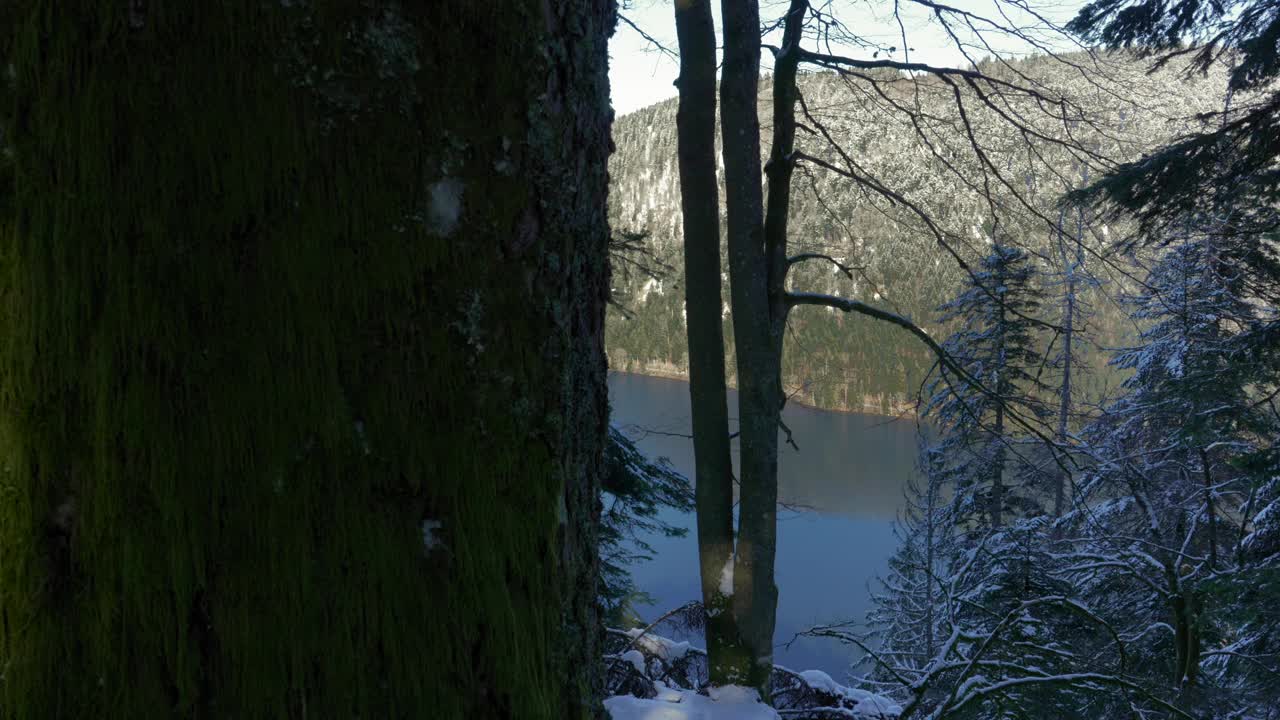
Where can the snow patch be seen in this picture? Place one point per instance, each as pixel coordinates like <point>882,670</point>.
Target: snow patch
<point>866,705</point>
<point>819,680</point>
<point>650,285</point>
<point>726,577</point>
<point>664,649</point>
<point>872,706</point>
<point>734,694</point>
<point>667,694</point>
<point>636,658</point>
<point>444,206</point>
<point>430,540</point>
<point>723,703</point>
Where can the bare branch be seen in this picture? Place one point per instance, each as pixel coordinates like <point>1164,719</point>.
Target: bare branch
<point>847,270</point>
<point>657,45</point>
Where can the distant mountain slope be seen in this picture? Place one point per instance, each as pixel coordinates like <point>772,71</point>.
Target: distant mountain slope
<point>851,362</point>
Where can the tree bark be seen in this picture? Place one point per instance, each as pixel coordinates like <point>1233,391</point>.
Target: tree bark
<point>741,648</point>
<point>997,469</point>
<point>759,396</point>
<point>1210,509</point>
<point>1186,625</point>
<point>302,398</point>
<point>699,201</point>
<point>1003,390</point>
<point>1064,393</point>
<point>1071,266</point>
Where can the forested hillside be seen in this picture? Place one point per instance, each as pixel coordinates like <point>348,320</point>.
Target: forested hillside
<point>904,133</point>
<point>1087,245</point>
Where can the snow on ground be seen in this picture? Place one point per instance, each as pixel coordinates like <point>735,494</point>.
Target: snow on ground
<point>739,703</point>
<point>724,703</point>
<point>866,705</point>
<point>651,657</point>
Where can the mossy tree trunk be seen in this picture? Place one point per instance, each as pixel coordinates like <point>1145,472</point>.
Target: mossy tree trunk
<point>302,393</point>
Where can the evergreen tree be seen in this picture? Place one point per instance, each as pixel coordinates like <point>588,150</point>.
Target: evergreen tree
<point>1236,153</point>
<point>1188,387</point>
<point>996,344</point>
<point>635,490</point>
<point>1171,494</point>
<point>908,608</point>
<point>1185,480</point>
<point>1071,286</point>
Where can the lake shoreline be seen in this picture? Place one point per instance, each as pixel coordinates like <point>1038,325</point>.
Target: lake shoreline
<point>905,412</point>
<point>846,482</point>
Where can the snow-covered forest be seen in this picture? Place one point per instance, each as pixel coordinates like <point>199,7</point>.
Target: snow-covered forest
<point>1080,246</point>
<point>840,363</point>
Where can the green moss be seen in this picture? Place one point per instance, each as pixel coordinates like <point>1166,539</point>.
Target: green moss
<point>232,381</point>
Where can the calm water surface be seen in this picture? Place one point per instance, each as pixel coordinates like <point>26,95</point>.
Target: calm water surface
<point>850,470</point>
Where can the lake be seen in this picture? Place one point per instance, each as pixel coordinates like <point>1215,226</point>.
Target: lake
<point>849,473</point>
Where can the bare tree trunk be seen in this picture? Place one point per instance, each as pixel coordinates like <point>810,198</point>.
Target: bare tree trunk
<point>759,394</point>
<point>1184,608</point>
<point>997,470</point>
<point>757,267</point>
<point>930,539</point>
<point>778,171</point>
<point>1186,632</point>
<point>1002,389</point>
<point>1210,510</point>
<point>1244,525</point>
<point>1071,266</point>
<point>699,201</point>
<point>1068,336</point>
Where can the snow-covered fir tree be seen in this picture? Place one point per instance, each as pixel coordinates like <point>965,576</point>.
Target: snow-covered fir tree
<point>1172,496</point>
<point>992,385</point>
<point>908,608</point>
<point>1070,286</point>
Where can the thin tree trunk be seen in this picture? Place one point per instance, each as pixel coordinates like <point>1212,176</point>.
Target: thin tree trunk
<point>1071,266</point>
<point>1186,634</point>
<point>1184,608</point>
<point>1002,389</point>
<point>1210,510</point>
<point>1245,519</point>
<point>931,525</point>
<point>1068,337</point>
<point>759,394</point>
<point>699,201</point>
<point>780,167</point>
<point>997,471</point>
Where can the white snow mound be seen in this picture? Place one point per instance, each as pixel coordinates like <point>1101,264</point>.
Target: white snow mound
<point>866,705</point>
<point>665,649</point>
<point>725,703</point>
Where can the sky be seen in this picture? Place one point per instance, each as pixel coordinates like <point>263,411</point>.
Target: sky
<point>640,75</point>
